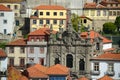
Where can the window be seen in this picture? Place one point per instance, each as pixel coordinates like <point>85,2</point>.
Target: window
<point>16,14</point>
<point>22,61</point>
<point>61,21</point>
<point>110,13</point>
<point>114,13</point>
<point>47,21</point>
<point>82,65</point>
<point>104,13</point>
<point>69,60</point>
<point>16,7</point>
<point>42,61</point>
<point>110,67</point>
<point>17,22</point>
<point>31,49</point>
<point>97,46</point>
<point>118,13</point>
<point>92,12</point>
<point>4,21</point>
<point>1,14</point>
<point>31,60</point>
<point>34,22</point>
<point>5,31</point>
<point>22,50</point>
<point>41,13</point>
<point>41,49</point>
<point>38,39</point>
<point>61,13</point>
<point>96,66</point>
<point>8,6</point>
<point>54,21</point>
<point>41,21</point>
<point>57,61</point>
<point>55,13</point>
<point>98,13</point>
<point>11,61</point>
<point>11,49</point>
<point>47,13</point>
<point>85,21</point>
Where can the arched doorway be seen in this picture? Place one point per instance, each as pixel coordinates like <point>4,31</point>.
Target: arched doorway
<point>81,65</point>
<point>69,60</point>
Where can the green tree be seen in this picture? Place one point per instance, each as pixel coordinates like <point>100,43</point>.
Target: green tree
<point>109,28</point>
<point>117,23</point>
<point>75,20</point>
<point>2,45</point>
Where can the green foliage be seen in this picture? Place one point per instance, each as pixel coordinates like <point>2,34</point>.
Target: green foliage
<point>109,28</point>
<point>75,20</point>
<point>2,45</point>
<point>117,23</point>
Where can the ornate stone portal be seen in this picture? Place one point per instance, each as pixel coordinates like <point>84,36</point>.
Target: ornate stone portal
<point>69,49</point>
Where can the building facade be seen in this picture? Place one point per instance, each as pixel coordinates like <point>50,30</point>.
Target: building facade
<point>6,23</point>
<point>106,64</point>
<point>16,51</point>
<point>3,65</point>
<point>45,15</point>
<point>105,11</point>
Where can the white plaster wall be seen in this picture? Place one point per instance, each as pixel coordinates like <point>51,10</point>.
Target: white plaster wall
<point>107,46</point>
<point>9,26</point>
<point>104,67</point>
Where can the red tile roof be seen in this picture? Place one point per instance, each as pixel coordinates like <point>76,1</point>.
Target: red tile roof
<point>58,70</point>
<point>49,7</point>
<point>37,71</point>
<point>83,16</point>
<point>105,78</point>
<point>4,8</point>
<point>2,53</point>
<point>90,5</point>
<point>83,78</point>
<point>42,31</point>
<point>108,56</point>
<point>18,42</point>
<point>94,35</point>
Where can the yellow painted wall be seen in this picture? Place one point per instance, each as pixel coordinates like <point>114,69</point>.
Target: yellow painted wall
<point>50,17</point>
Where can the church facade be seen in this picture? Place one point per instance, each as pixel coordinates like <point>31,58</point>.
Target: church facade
<point>70,49</point>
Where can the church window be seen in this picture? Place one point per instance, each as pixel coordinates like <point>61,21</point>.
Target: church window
<point>69,61</point>
<point>81,64</point>
<point>57,61</point>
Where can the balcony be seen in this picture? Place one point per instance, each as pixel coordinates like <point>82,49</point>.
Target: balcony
<point>110,73</point>
<point>95,72</point>
<point>37,43</point>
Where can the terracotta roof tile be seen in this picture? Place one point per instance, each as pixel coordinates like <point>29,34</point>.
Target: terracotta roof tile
<point>49,7</point>
<point>2,53</point>
<point>19,42</point>
<point>83,16</point>
<point>58,70</point>
<point>94,35</point>
<point>4,8</point>
<point>108,56</point>
<point>83,78</point>
<point>105,78</point>
<point>37,71</point>
<point>42,31</point>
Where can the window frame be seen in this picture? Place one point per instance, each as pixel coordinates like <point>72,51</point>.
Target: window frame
<point>96,66</point>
